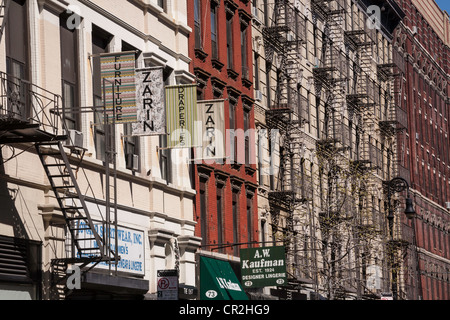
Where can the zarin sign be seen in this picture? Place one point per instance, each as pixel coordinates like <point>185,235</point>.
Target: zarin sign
<point>151,113</point>
<point>262,267</point>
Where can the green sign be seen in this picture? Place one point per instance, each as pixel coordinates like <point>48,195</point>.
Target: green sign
<point>263,267</point>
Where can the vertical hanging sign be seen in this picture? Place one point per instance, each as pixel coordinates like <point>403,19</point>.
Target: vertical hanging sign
<point>118,69</point>
<point>181,115</point>
<point>212,116</point>
<point>151,113</point>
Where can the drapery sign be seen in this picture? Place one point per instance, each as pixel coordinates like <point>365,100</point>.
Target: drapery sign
<point>181,115</point>
<point>211,113</point>
<point>130,246</point>
<point>120,90</point>
<point>151,113</point>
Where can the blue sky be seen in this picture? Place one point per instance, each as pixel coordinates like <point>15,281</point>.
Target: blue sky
<point>444,4</point>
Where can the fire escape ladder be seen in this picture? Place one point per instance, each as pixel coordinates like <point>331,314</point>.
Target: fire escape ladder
<point>87,246</point>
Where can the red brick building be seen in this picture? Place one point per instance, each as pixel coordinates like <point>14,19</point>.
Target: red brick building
<point>220,49</point>
<point>425,149</point>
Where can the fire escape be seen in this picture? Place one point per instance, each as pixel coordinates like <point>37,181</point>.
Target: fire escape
<point>330,74</point>
<point>349,147</point>
<point>395,122</point>
<point>288,110</point>
<point>32,115</point>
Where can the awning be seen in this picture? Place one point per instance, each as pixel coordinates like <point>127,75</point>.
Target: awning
<point>218,281</point>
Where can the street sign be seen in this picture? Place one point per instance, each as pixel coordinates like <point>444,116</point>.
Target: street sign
<point>263,267</point>
<point>386,296</point>
<point>167,283</point>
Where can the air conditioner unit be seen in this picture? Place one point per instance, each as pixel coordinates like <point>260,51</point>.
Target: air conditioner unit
<point>447,205</point>
<point>132,162</point>
<point>74,139</point>
<point>414,30</point>
<point>258,95</point>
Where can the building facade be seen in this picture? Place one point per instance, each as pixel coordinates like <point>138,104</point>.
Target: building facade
<point>52,88</point>
<point>423,37</point>
<point>327,81</point>
<point>226,202</point>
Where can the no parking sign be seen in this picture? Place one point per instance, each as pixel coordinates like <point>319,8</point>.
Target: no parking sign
<point>167,283</point>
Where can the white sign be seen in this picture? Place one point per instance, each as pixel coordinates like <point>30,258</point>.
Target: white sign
<point>150,105</point>
<point>167,282</point>
<point>130,247</point>
<point>211,113</point>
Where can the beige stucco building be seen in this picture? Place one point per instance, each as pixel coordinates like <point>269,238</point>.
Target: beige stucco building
<point>57,68</point>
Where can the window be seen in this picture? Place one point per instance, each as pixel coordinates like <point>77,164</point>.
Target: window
<point>229,30</point>
<point>256,71</point>
<point>131,148</point>
<point>163,5</point>
<point>219,217</point>
<point>261,138</point>
<point>266,12</point>
<point>164,159</point>
<point>247,137</point>
<point>249,219</point>
<point>233,137</point>
<point>245,71</point>
<point>263,231</point>
<point>197,24</point>
<point>17,49</point>
<point>203,214</point>
<point>100,42</point>
<point>214,50</point>
<point>16,39</point>
<point>235,213</point>
<point>69,67</point>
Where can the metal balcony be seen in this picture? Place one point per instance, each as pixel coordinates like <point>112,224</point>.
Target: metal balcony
<point>28,113</point>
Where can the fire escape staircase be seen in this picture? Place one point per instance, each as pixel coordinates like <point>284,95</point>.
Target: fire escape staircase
<point>71,201</point>
<point>28,114</point>
<point>86,245</point>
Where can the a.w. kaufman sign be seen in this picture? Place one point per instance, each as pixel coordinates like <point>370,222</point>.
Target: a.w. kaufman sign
<point>263,267</point>
<point>151,112</point>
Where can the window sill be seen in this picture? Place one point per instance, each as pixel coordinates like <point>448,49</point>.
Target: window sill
<point>247,83</point>
<point>200,54</point>
<point>217,64</point>
<point>249,170</point>
<point>232,74</point>
<point>237,166</point>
